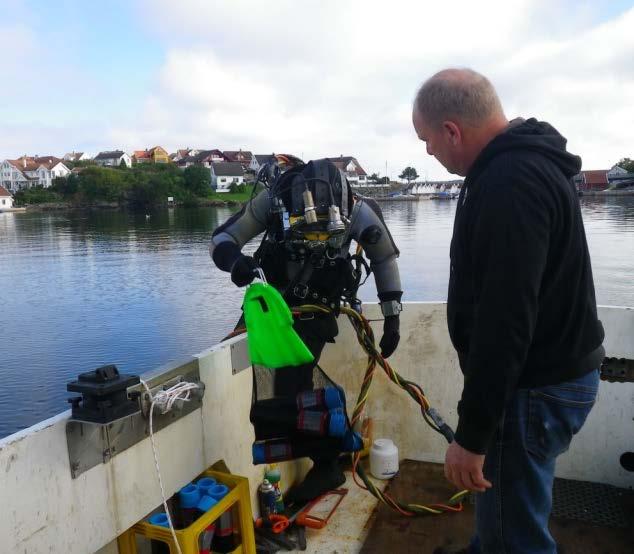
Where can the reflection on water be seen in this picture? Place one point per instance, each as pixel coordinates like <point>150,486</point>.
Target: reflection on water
<point>79,290</point>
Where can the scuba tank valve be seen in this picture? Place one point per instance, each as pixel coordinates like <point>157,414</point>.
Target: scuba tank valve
<point>310,215</point>
<point>334,219</point>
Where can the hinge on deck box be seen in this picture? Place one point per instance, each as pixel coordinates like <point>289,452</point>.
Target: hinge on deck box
<point>617,370</point>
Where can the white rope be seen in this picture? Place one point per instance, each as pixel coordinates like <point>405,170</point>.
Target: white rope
<point>260,273</point>
<point>164,400</point>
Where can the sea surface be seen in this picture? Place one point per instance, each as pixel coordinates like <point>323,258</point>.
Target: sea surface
<point>82,289</point>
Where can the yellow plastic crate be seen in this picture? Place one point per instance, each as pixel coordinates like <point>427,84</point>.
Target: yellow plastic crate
<point>188,538</point>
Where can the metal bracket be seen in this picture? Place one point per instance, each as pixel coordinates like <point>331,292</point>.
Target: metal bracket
<point>240,356</point>
<point>91,444</point>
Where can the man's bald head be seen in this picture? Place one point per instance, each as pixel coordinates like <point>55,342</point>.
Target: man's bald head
<point>460,95</point>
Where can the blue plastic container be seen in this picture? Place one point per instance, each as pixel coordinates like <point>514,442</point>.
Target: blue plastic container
<point>159,519</point>
<point>337,425</point>
<point>189,496</point>
<point>218,491</point>
<point>205,484</point>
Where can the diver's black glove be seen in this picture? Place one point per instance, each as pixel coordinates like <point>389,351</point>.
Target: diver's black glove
<point>391,336</point>
<point>243,270</point>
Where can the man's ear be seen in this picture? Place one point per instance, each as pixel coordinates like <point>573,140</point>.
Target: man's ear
<point>452,133</point>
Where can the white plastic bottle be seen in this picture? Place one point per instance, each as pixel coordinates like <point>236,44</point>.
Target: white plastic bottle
<point>383,459</point>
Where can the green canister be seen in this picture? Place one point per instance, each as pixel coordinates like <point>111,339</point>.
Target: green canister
<point>274,476</point>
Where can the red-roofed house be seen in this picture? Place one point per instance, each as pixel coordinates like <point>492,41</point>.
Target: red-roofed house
<point>201,157</point>
<point>595,179</point>
<point>352,168</point>
<point>182,153</point>
<point>6,200</point>
<point>242,157</point>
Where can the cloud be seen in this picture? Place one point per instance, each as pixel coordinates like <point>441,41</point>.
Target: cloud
<point>329,78</point>
<point>323,77</point>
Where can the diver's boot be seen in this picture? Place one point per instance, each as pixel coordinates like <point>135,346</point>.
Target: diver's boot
<point>324,476</point>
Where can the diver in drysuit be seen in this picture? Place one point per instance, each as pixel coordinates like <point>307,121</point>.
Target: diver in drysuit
<point>310,217</point>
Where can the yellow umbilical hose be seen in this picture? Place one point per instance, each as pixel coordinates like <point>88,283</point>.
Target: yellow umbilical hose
<point>365,336</point>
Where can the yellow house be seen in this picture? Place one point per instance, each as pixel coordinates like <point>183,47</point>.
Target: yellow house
<point>157,155</point>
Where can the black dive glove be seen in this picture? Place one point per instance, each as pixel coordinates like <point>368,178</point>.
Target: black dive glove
<point>243,270</point>
<point>391,336</point>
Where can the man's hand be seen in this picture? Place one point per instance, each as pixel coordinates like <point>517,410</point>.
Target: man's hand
<point>464,469</point>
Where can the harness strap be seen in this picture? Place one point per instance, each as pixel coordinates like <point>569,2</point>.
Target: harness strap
<point>344,194</point>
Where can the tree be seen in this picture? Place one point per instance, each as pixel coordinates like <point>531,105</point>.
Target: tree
<point>66,186</point>
<point>197,180</point>
<point>374,178</point>
<point>626,164</point>
<point>409,174</point>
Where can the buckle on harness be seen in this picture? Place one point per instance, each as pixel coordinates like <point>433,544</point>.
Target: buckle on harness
<point>301,290</point>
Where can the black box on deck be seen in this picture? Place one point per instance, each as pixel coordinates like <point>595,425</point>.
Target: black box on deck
<point>104,395</point>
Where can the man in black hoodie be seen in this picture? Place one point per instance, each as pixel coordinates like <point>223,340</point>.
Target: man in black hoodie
<point>521,307</point>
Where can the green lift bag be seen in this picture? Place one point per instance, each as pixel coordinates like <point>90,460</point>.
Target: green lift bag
<point>272,340</point>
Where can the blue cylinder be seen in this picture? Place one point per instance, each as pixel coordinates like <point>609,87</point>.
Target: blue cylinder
<point>205,484</point>
<point>337,425</point>
<point>159,519</point>
<point>206,503</point>
<point>334,398</point>
<point>218,491</point>
<point>352,441</point>
<point>258,453</point>
<point>189,496</point>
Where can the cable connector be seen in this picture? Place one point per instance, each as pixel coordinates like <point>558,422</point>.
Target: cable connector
<point>446,431</point>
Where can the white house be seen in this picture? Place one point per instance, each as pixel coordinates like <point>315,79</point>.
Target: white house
<point>113,158</point>
<point>31,171</point>
<point>201,157</point>
<point>76,156</point>
<point>6,200</point>
<point>225,174</point>
<point>352,168</point>
<point>617,174</point>
<point>183,153</point>
<point>258,160</point>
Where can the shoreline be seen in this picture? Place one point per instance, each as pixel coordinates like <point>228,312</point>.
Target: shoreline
<point>67,206</point>
<point>218,203</point>
<point>607,192</point>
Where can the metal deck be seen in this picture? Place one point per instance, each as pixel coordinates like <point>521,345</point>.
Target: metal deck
<point>588,518</point>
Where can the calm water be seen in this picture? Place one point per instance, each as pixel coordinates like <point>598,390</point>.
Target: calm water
<point>79,290</point>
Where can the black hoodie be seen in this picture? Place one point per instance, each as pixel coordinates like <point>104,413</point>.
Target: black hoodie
<point>521,307</point>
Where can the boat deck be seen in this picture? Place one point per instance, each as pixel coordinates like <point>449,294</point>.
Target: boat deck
<point>588,519</point>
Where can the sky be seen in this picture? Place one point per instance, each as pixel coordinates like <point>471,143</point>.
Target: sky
<point>313,78</point>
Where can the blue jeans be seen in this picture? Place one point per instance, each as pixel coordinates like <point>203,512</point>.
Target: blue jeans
<point>538,425</point>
